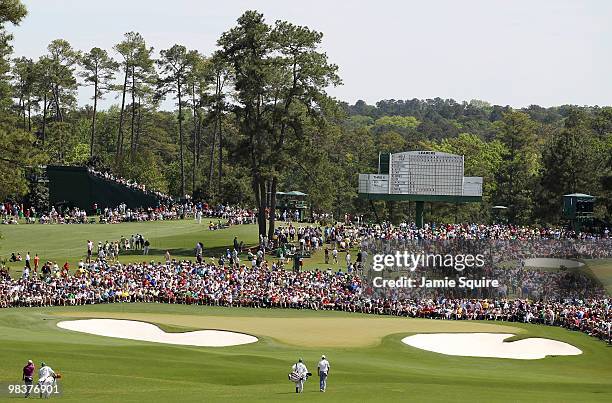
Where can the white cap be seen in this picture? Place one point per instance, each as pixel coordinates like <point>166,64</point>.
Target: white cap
<point>29,361</point>
<point>323,356</point>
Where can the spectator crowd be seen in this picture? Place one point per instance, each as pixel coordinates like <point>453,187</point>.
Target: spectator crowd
<point>130,183</point>
<point>559,298</point>
<point>271,286</point>
<point>12,213</point>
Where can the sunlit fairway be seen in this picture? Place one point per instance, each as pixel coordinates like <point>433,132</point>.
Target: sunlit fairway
<point>299,330</point>
<point>602,270</point>
<point>369,362</point>
<point>61,243</point>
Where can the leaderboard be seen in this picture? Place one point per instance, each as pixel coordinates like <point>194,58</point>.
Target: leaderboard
<point>426,173</point>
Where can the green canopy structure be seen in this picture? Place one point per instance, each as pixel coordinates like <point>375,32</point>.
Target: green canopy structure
<point>578,209</point>
<point>292,201</point>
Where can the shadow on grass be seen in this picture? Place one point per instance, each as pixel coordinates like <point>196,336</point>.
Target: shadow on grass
<point>208,252</point>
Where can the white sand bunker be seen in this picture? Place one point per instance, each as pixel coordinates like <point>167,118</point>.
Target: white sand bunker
<point>552,263</point>
<point>133,330</point>
<point>489,345</point>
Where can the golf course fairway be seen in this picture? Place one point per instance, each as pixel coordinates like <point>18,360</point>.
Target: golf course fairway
<point>369,362</point>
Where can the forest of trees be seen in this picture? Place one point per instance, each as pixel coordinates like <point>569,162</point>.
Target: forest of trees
<point>252,117</point>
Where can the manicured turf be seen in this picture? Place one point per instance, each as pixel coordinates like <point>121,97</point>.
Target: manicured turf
<point>103,369</point>
<point>602,270</point>
<point>60,243</point>
<point>369,363</point>
<point>304,330</point>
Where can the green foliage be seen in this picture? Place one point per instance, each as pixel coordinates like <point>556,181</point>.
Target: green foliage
<point>403,122</point>
<point>391,142</point>
<point>62,83</point>
<point>11,11</point>
<point>519,167</point>
<point>280,78</point>
<point>98,71</point>
<point>139,76</point>
<point>61,142</point>
<point>24,79</point>
<point>78,154</point>
<point>574,161</point>
<point>254,118</point>
<point>358,121</point>
<point>17,153</point>
<point>483,159</point>
<point>38,197</point>
<point>145,168</point>
<point>176,64</point>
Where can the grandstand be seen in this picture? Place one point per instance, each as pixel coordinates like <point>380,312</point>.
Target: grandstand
<point>76,187</point>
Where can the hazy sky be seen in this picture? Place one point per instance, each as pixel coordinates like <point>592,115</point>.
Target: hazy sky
<point>517,52</point>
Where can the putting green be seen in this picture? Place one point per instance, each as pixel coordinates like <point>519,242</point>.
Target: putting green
<point>308,331</point>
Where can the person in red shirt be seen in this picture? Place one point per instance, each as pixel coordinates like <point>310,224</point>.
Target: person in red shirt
<point>28,376</point>
<point>36,262</point>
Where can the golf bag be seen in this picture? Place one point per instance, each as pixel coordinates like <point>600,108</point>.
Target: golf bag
<point>294,377</point>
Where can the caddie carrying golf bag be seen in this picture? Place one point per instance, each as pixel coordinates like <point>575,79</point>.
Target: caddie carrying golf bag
<point>294,377</point>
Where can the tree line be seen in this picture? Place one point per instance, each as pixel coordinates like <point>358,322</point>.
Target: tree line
<point>253,117</point>
<point>529,158</point>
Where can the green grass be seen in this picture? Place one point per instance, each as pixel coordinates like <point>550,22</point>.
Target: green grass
<point>61,243</point>
<point>103,369</point>
<point>306,330</point>
<point>369,363</point>
<point>601,269</point>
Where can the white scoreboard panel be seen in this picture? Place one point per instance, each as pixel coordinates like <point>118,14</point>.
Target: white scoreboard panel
<point>472,186</point>
<point>373,183</point>
<point>426,173</point>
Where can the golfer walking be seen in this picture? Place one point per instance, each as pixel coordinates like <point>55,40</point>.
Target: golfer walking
<point>28,377</point>
<point>299,374</point>
<point>323,370</point>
